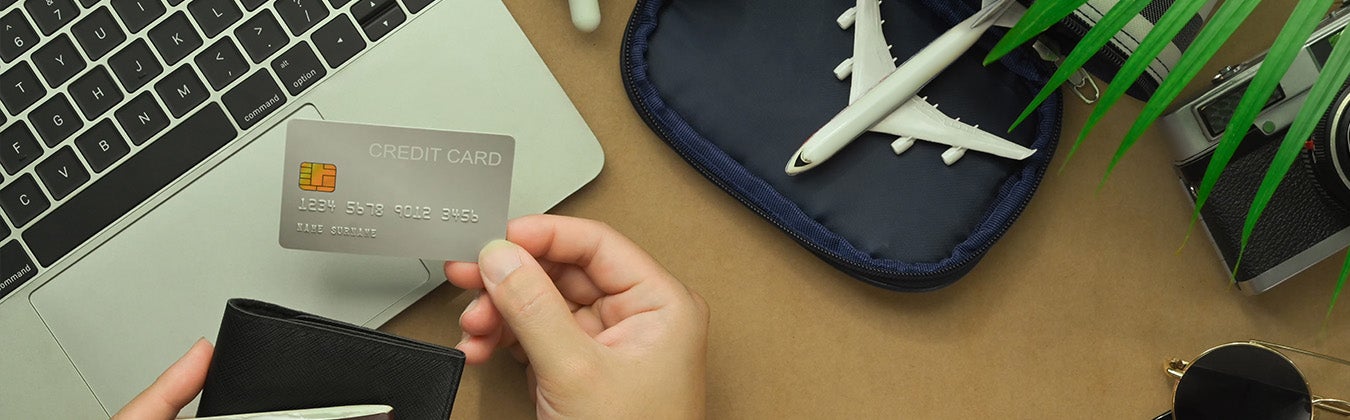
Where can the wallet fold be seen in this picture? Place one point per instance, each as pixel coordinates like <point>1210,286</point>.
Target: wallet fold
<point>271,358</point>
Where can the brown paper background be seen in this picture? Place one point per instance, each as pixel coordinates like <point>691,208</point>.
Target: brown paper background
<point>1071,315</point>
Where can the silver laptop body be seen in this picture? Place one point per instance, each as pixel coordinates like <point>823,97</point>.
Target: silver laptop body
<point>94,306</point>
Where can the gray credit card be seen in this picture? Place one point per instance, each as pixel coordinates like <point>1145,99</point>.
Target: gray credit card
<point>367,189</point>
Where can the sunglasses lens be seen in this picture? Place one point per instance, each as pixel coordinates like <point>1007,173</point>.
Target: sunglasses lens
<point>1242,381</point>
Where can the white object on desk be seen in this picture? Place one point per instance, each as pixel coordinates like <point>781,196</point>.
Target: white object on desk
<point>882,96</point>
<point>585,14</point>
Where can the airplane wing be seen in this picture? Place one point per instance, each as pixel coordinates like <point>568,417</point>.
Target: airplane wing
<point>872,60</point>
<point>918,119</point>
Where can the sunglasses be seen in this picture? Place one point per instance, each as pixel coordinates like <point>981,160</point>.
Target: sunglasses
<point>1246,380</point>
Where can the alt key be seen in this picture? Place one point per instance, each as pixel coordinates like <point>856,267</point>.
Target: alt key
<point>298,68</point>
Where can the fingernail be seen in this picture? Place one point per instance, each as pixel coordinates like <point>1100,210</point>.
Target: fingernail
<point>497,260</point>
<point>463,337</point>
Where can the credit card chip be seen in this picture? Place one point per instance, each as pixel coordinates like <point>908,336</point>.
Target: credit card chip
<point>320,177</point>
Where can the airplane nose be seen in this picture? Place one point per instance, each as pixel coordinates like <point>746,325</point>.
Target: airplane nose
<point>798,165</point>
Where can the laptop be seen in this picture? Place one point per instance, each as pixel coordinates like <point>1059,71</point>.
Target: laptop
<point>141,144</point>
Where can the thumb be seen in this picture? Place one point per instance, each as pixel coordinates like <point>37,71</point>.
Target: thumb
<point>531,306</point>
<point>174,389</point>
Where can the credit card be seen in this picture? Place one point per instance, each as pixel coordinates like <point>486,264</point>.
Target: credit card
<point>405,192</point>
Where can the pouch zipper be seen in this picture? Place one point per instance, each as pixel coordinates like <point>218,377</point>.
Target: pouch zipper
<point>1115,57</point>
<point>871,275</point>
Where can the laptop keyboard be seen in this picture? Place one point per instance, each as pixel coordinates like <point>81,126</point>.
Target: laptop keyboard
<point>106,102</point>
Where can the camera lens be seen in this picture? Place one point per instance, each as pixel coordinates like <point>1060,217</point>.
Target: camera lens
<point>1330,157</point>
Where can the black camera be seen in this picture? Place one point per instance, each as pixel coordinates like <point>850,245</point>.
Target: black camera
<point>1308,219</point>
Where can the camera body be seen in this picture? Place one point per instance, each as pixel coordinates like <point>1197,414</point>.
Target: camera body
<point>1308,219</point>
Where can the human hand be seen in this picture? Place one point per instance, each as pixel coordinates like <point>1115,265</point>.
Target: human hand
<point>174,389</point>
<point>604,330</point>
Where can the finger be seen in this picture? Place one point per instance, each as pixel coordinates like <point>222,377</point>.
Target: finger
<point>174,389</point>
<point>613,262</point>
<point>463,275</point>
<point>575,285</point>
<point>589,320</point>
<point>477,348</point>
<point>480,317</point>
<point>532,307</point>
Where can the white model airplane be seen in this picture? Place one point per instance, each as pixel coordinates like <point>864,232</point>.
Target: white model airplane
<point>882,96</point>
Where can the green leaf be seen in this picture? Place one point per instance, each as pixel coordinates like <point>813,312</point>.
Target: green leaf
<point>1094,40</point>
<point>1222,25</point>
<point>1320,96</point>
<point>1340,284</point>
<point>1039,17</point>
<point>1307,14</point>
<point>1158,38</point>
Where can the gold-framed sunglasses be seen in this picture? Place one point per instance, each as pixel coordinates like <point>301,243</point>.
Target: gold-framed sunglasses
<point>1246,380</point>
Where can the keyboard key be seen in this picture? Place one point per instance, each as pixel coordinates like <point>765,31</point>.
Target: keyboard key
<point>142,118</point>
<point>298,68</point>
<point>416,6</point>
<point>137,14</point>
<point>15,267</point>
<point>221,63</point>
<point>22,200</point>
<point>58,61</point>
<point>214,16</point>
<point>18,147</point>
<point>253,4</point>
<point>20,88</point>
<point>125,187</point>
<point>338,41</point>
<point>62,173</point>
<point>95,93</point>
<point>51,15</point>
<point>365,10</point>
<point>98,33</point>
<point>181,91</point>
<point>135,65</point>
<point>55,120</point>
<point>102,145</point>
<point>254,99</point>
<point>175,38</point>
<point>300,15</point>
<point>16,36</point>
<point>88,3</point>
<point>337,4</point>
<point>261,36</point>
<point>381,26</point>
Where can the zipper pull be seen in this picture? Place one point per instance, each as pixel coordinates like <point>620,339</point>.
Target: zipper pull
<point>1079,81</point>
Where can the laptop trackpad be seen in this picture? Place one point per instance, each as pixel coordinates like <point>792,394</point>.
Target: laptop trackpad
<point>134,305</point>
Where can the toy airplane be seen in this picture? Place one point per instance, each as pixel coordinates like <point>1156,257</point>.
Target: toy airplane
<point>882,96</point>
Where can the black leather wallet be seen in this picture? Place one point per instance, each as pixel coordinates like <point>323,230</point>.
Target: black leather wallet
<point>271,358</point>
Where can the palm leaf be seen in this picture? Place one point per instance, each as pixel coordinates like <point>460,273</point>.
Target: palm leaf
<point>1345,269</point>
<point>1039,17</point>
<point>1094,40</point>
<point>1222,25</point>
<point>1157,39</point>
<point>1320,96</point>
<point>1307,14</point>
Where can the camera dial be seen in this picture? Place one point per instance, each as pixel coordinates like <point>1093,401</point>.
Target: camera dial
<point>1331,148</point>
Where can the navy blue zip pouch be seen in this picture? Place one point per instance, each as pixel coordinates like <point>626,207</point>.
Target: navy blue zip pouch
<point>736,86</point>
